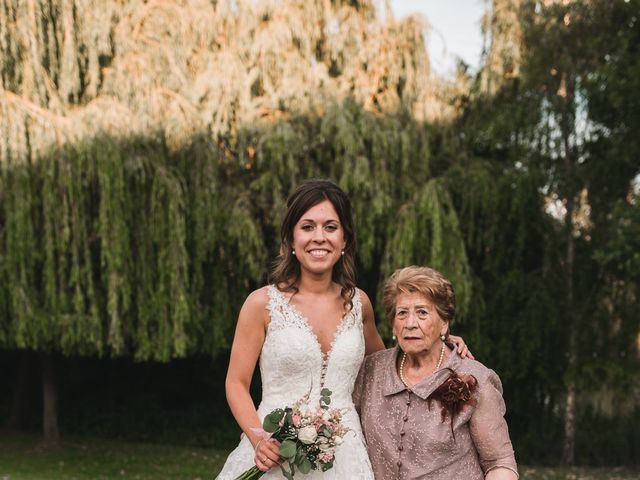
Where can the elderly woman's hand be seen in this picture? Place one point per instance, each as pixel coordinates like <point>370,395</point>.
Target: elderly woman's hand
<point>461,347</point>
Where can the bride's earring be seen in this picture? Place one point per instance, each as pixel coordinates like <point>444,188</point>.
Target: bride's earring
<point>293,252</point>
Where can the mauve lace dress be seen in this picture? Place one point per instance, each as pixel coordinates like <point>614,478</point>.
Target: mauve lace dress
<point>407,439</point>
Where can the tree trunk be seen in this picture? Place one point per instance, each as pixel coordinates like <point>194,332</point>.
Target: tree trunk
<point>569,441</point>
<point>568,444</point>
<point>17,411</point>
<point>51,433</point>
<point>567,126</point>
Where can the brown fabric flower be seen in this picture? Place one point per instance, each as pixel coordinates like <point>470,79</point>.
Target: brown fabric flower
<point>454,393</point>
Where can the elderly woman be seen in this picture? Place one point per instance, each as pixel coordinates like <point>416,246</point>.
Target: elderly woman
<point>425,412</point>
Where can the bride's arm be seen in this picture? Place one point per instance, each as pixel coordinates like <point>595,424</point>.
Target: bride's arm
<point>245,350</point>
<point>372,340</point>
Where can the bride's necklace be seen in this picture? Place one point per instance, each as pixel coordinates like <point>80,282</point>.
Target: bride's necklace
<point>404,357</point>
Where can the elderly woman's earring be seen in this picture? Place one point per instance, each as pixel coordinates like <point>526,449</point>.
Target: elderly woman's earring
<point>394,338</point>
<point>443,338</point>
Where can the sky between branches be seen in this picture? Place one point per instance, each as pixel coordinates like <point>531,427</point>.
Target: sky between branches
<point>455,29</point>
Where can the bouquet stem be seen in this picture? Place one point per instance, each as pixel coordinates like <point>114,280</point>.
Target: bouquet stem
<point>251,474</point>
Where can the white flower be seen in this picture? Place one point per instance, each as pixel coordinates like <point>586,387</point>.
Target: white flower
<point>308,434</point>
<point>325,446</point>
<point>337,439</point>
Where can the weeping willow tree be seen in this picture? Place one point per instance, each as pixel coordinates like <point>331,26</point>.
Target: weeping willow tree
<point>147,149</point>
<point>83,87</point>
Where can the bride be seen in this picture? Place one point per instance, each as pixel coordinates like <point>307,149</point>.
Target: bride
<point>310,328</point>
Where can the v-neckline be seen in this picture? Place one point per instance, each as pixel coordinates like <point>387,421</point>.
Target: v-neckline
<point>305,321</point>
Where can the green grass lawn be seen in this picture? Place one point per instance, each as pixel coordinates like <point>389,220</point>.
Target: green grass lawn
<point>87,458</point>
<point>579,473</point>
<point>82,458</point>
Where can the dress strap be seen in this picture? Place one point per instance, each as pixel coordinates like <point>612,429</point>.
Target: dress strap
<point>354,316</point>
<point>280,311</point>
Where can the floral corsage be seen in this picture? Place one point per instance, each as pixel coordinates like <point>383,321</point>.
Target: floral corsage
<point>454,393</point>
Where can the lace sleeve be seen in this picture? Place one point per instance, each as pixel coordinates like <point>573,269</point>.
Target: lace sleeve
<point>489,429</point>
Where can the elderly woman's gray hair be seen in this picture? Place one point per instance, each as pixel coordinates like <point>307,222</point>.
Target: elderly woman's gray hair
<point>424,280</point>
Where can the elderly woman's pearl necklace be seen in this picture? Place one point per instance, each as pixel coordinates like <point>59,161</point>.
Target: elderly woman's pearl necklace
<point>404,357</point>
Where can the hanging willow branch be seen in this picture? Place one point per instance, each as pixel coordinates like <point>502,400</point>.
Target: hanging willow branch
<point>123,248</point>
<point>69,70</point>
<point>427,232</point>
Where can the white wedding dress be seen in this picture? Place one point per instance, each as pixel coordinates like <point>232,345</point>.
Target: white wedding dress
<point>291,362</point>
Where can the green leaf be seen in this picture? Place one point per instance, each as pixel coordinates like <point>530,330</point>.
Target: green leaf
<point>276,415</point>
<point>326,466</point>
<point>325,392</point>
<point>271,422</point>
<point>269,426</point>
<point>305,466</point>
<point>326,400</point>
<point>300,456</point>
<point>288,475</point>
<point>288,449</point>
<point>288,418</point>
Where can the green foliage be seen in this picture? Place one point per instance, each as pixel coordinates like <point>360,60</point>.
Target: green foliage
<point>427,232</point>
<point>116,248</point>
<point>128,248</point>
<point>325,399</point>
<point>554,290</point>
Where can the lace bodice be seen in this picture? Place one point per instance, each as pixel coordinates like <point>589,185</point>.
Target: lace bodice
<point>292,360</point>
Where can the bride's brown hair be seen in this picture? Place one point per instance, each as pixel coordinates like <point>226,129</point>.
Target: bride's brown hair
<point>286,269</point>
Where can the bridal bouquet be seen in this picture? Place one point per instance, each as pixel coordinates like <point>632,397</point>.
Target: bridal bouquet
<point>308,436</point>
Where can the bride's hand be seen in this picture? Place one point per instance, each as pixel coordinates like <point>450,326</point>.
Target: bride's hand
<point>461,347</point>
<point>267,454</point>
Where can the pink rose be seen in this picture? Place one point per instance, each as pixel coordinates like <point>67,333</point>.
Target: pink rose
<point>296,419</point>
<point>325,457</point>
